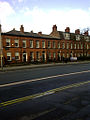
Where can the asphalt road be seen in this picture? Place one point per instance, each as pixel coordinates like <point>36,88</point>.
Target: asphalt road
<point>69,95</point>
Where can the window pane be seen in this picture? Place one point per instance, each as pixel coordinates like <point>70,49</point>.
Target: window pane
<point>24,43</point>
<point>8,42</point>
<point>37,56</point>
<point>54,55</point>
<point>43,44</point>
<point>67,45</point>
<point>37,44</point>
<point>75,46</point>
<point>66,36</point>
<point>78,37</point>
<point>63,45</point>
<point>49,44</point>
<point>31,43</point>
<point>58,44</point>
<point>71,46</point>
<point>17,55</point>
<point>31,56</point>
<point>8,56</point>
<point>54,45</point>
<point>49,55</point>
<point>16,43</point>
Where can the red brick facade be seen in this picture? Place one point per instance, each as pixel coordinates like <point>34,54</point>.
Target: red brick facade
<point>55,46</point>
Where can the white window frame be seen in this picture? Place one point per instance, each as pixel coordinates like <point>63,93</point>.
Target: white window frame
<point>81,46</point>
<point>71,45</point>
<point>17,42</point>
<point>9,42</point>
<point>49,44</point>
<point>43,44</point>
<point>86,38</point>
<point>58,45</point>
<point>59,54</point>
<point>38,56</point>
<point>32,56</point>
<point>24,43</point>
<point>67,46</point>
<point>63,45</point>
<point>9,55</point>
<point>87,46</point>
<point>67,36</point>
<point>67,55</point>
<point>17,54</point>
<point>75,46</point>
<point>31,43</point>
<point>54,44</point>
<point>78,46</point>
<point>49,55</point>
<point>77,37</point>
<point>37,44</point>
<point>54,55</point>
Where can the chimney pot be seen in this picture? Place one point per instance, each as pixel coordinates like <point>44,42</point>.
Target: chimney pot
<point>67,29</point>
<point>39,33</point>
<point>86,33</point>
<point>54,29</point>
<point>31,31</point>
<point>77,31</point>
<point>13,28</point>
<point>22,28</point>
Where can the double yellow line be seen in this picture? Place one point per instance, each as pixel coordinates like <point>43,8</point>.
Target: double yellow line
<point>18,100</point>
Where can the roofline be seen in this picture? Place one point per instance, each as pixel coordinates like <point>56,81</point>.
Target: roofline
<point>41,37</point>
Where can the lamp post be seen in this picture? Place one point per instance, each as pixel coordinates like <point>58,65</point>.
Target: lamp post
<point>1,49</point>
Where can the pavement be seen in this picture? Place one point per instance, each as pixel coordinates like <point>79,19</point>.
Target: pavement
<point>31,66</point>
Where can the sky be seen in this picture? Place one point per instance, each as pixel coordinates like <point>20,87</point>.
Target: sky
<point>41,15</point>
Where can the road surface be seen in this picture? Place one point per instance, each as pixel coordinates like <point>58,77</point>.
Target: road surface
<point>52,93</point>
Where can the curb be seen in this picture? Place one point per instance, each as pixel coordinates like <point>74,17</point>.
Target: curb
<point>40,66</point>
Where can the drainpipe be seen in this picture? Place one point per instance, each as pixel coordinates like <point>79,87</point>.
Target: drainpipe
<point>1,49</point>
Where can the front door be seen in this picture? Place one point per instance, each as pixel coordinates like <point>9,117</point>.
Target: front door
<point>24,57</point>
<point>43,56</point>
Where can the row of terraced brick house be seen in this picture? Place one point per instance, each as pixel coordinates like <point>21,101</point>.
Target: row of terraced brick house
<point>21,46</point>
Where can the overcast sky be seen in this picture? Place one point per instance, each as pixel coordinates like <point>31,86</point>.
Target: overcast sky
<point>41,15</point>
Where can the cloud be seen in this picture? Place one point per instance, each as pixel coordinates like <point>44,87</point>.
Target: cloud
<point>38,19</point>
<point>20,1</point>
<point>5,11</point>
<point>44,20</point>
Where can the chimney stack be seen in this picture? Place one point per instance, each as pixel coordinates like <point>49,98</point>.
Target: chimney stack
<point>67,29</point>
<point>40,33</point>
<point>54,29</point>
<point>22,28</point>
<point>13,29</point>
<point>77,31</point>
<point>86,33</point>
<point>31,31</point>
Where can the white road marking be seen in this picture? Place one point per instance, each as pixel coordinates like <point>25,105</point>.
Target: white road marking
<point>38,79</point>
<point>38,95</point>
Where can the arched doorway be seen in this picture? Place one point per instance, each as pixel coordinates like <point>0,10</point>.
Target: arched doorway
<point>24,56</point>
<point>43,56</point>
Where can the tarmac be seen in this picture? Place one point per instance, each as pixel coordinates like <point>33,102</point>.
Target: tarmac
<point>31,66</point>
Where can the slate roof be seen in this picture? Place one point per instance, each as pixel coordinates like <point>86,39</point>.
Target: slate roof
<point>60,35</point>
<point>28,34</point>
